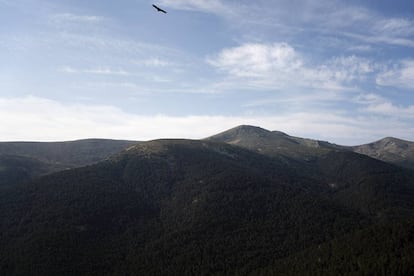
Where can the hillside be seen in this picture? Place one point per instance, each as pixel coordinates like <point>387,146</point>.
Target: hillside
<point>22,161</point>
<point>185,207</point>
<point>392,150</point>
<point>17,169</point>
<point>17,159</point>
<point>71,154</point>
<point>282,145</point>
<point>274,143</point>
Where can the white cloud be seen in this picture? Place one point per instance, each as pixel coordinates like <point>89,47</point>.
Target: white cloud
<point>401,75</point>
<point>360,48</point>
<point>369,98</point>
<point>365,25</point>
<point>33,118</point>
<point>388,108</point>
<point>74,18</point>
<point>107,46</point>
<point>341,70</point>
<point>96,71</point>
<point>155,62</point>
<point>340,18</point>
<point>395,26</point>
<point>381,39</point>
<point>280,66</point>
<point>255,60</point>
<point>378,105</point>
<point>324,18</point>
<point>209,6</point>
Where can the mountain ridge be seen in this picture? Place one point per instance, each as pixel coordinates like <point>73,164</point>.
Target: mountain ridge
<point>390,149</point>
<point>56,156</point>
<point>186,207</point>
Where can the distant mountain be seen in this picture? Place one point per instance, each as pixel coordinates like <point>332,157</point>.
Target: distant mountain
<point>273,143</point>
<point>206,207</point>
<point>72,153</point>
<point>22,161</point>
<point>17,169</point>
<point>390,150</point>
<point>279,144</point>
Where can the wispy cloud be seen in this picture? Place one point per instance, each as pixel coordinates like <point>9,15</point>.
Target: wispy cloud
<point>279,65</point>
<point>379,105</point>
<point>375,104</point>
<point>347,20</point>
<point>395,26</point>
<point>33,118</point>
<point>255,60</point>
<point>380,39</point>
<point>329,18</point>
<point>324,70</point>
<point>399,75</point>
<point>154,62</point>
<point>388,108</point>
<point>78,23</point>
<point>75,18</point>
<point>209,6</point>
<point>96,71</point>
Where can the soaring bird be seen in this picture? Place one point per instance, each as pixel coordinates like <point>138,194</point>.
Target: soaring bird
<point>159,9</point>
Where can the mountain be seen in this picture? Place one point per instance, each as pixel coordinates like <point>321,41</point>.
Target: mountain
<point>274,143</point>
<point>346,176</point>
<point>281,145</point>
<point>16,169</point>
<point>22,161</point>
<point>205,207</point>
<point>390,150</point>
<point>71,154</point>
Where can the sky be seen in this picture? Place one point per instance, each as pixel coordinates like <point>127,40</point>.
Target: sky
<point>339,71</point>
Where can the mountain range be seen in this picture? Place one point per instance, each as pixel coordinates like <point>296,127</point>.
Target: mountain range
<point>247,201</point>
<point>276,143</point>
<point>390,150</point>
<point>22,161</point>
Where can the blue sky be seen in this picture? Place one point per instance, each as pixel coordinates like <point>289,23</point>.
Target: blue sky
<point>341,71</point>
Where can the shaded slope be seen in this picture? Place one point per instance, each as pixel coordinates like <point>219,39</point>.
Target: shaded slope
<point>355,180</point>
<point>71,154</point>
<point>23,161</point>
<point>371,186</point>
<point>18,169</point>
<point>183,207</point>
<point>383,249</point>
<point>176,207</point>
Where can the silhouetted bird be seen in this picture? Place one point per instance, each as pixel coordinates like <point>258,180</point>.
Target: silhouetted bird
<point>159,9</point>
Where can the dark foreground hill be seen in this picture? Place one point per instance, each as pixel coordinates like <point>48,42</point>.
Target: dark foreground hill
<point>182,207</point>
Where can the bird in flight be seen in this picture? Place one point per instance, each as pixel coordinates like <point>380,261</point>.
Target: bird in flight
<point>159,9</point>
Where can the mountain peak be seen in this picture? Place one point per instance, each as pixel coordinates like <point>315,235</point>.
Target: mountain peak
<point>390,149</point>
<point>388,143</point>
<point>273,143</point>
<point>244,132</point>
<point>392,139</point>
<point>248,129</point>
